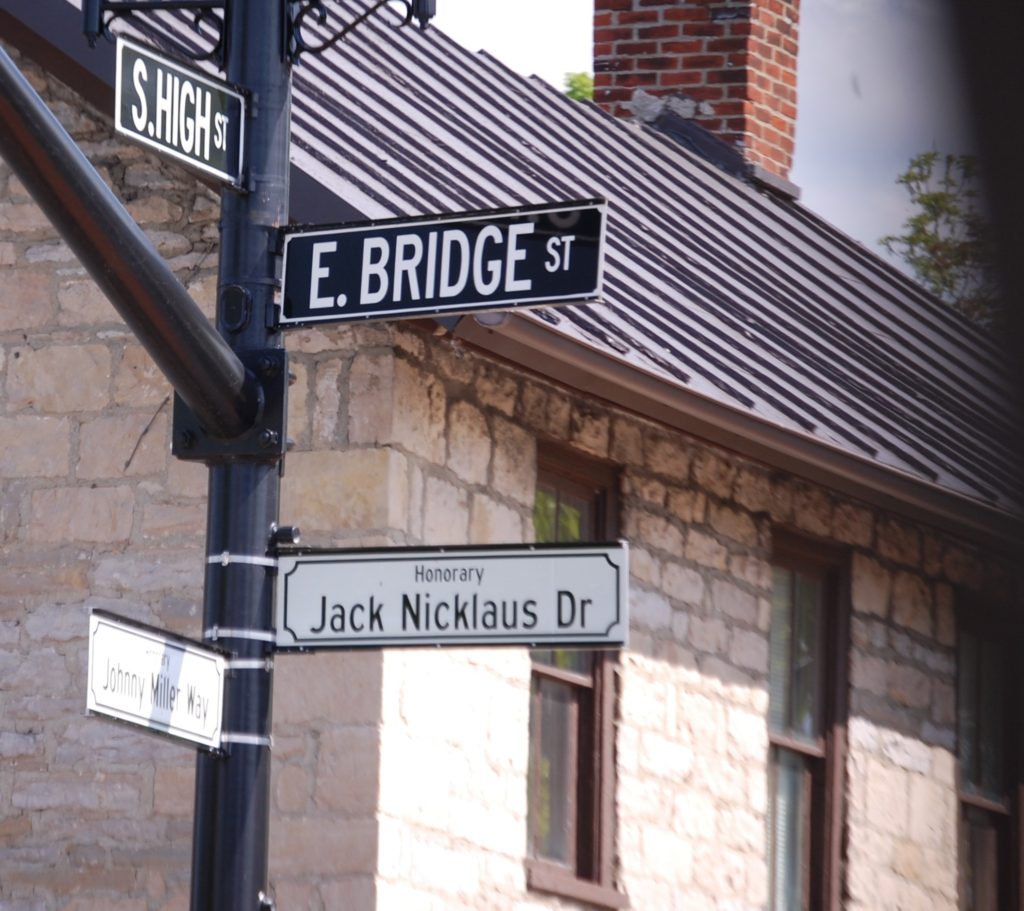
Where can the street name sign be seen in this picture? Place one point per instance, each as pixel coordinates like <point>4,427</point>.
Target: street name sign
<point>563,595</point>
<point>154,679</point>
<point>444,264</point>
<point>179,111</point>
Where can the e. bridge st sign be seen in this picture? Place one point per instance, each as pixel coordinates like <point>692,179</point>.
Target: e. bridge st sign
<point>468,262</point>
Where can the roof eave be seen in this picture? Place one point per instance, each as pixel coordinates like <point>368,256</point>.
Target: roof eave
<point>556,357</point>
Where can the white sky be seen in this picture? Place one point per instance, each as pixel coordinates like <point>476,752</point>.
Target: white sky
<point>878,83</point>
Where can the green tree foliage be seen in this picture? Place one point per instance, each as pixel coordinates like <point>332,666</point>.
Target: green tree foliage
<point>947,241</point>
<point>579,86</point>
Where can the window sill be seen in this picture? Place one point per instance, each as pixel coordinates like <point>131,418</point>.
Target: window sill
<point>545,877</point>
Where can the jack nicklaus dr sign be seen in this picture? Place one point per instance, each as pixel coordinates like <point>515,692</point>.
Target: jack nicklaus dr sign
<point>443,264</point>
<point>572,595</point>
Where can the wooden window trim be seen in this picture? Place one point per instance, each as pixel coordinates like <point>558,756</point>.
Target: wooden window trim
<point>983,621</point>
<point>798,552</point>
<point>566,469</point>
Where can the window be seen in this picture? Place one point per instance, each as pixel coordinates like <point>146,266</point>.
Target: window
<point>986,751</point>
<point>806,733</point>
<point>572,703</point>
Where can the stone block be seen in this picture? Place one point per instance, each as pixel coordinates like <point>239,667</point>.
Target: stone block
<point>28,298</point>
<point>59,379</point>
<point>320,847</point>
<point>734,602</point>
<point>35,447</point>
<point>545,410</point>
<point>419,412</point>
<point>359,489</point>
<point>899,541</point>
<point>138,571</point>
<point>492,522</point>
<point>812,509</point>
<point>887,798</point>
<point>681,583</point>
<point>347,772</point>
<point>650,610</point>
<point>715,472</point>
<point>909,687</point>
<point>749,650</point>
<point>327,405</point>
<point>298,404</point>
<point>174,790</point>
<point>83,304</point>
<point>854,525</point>
<point>445,513</point>
<point>123,445</point>
<point>590,428</point>
<point>871,586</point>
<point>752,489</point>
<point>469,443</point>
<point>514,467</point>
<point>497,388</point>
<point>66,514</point>
<point>703,549</point>
<point>659,534</point>
<point>709,635</point>
<point>168,520</point>
<point>138,382</point>
<point>733,524</point>
<point>687,504</point>
<point>870,673</point>
<point>912,603</point>
<point>328,687</point>
<point>626,445</point>
<point>152,210</point>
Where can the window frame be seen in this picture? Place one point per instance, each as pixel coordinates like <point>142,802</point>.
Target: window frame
<point>825,778</point>
<point>1007,814</point>
<point>594,820</point>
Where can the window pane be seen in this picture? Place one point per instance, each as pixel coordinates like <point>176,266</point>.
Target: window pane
<point>807,663</point>
<point>575,518</point>
<point>981,861</point>
<point>578,660</point>
<point>553,773</point>
<point>967,700</point>
<point>992,752</point>
<point>795,660</point>
<point>780,646</point>
<point>545,508</point>
<point>787,817</point>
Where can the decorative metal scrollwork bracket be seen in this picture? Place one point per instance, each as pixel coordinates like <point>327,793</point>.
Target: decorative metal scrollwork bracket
<point>98,15</point>
<point>302,13</point>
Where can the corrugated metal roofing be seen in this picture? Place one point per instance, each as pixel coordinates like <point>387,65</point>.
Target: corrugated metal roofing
<point>719,288</point>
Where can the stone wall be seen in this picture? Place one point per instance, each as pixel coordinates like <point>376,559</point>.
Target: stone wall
<point>94,512</point>
<point>399,777</point>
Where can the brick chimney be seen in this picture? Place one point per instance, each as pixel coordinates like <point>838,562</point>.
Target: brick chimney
<point>730,65</point>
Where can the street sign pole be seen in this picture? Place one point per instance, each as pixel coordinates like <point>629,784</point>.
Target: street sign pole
<point>231,825</point>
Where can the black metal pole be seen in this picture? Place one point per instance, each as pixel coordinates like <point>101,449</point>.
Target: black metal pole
<point>122,261</point>
<point>233,791</point>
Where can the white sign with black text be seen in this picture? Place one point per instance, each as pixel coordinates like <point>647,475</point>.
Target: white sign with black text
<point>563,595</point>
<point>156,680</point>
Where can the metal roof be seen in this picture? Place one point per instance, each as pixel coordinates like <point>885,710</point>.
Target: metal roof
<point>721,292</point>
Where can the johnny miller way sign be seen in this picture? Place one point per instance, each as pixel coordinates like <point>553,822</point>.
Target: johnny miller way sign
<point>522,595</point>
<point>179,111</point>
<point>463,263</point>
<point>156,680</point>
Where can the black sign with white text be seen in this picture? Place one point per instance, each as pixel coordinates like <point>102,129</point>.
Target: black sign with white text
<point>179,111</point>
<point>462,263</point>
